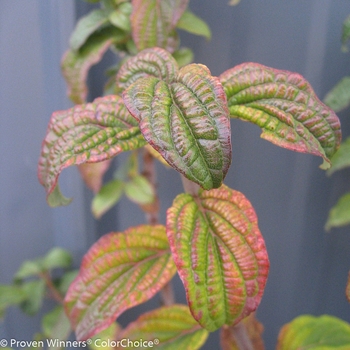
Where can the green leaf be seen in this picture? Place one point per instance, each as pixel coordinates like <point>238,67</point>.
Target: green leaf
<point>220,255</point>
<point>139,190</point>
<point>186,121</point>
<point>339,97</point>
<point>194,25</point>
<point>10,295</point>
<point>92,174</point>
<point>183,56</point>
<point>35,291</point>
<point>121,270</point>
<point>167,328</point>
<point>341,158</point>
<point>345,34</point>
<point>284,105</point>
<point>107,336</point>
<point>121,16</point>
<point>57,258</point>
<point>153,23</point>
<point>76,64</point>
<point>108,196</point>
<point>66,280</point>
<point>29,268</point>
<point>86,134</point>
<point>340,213</point>
<point>86,26</point>
<point>315,333</point>
<point>55,325</point>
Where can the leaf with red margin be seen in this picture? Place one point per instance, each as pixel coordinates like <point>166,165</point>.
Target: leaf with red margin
<point>85,134</point>
<point>220,255</point>
<point>121,270</point>
<point>173,326</point>
<point>153,23</point>
<point>186,121</point>
<point>347,290</point>
<point>284,105</point>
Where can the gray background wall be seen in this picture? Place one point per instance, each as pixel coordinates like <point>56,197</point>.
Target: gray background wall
<point>291,195</point>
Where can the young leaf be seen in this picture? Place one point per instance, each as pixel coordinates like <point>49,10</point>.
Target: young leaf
<point>284,105</point>
<point>35,291</point>
<point>169,327</point>
<point>194,25</point>
<point>55,324</point>
<point>86,134</point>
<point>108,196</point>
<point>76,64</point>
<point>153,23</point>
<point>92,174</point>
<point>345,33</point>
<point>107,336</point>
<point>186,121</point>
<point>56,258</point>
<point>183,56</point>
<point>121,270</point>
<point>86,26</point>
<point>316,333</point>
<point>339,97</point>
<point>340,213</point>
<point>220,255</point>
<point>10,295</point>
<point>139,190</point>
<point>121,16</point>
<point>341,158</point>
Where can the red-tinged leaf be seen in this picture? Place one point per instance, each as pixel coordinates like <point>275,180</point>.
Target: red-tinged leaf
<point>347,290</point>
<point>92,174</point>
<point>168,328</point>
<point>186,121</point>
<point>153,23</point>
<point>220,255</point>
<point>121,270</point>
<point>85,134</point>
<point>154,62</point>
<point>284,105</point>
<point>76,64</point>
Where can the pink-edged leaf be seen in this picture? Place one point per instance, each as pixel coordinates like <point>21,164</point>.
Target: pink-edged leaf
<point>121,270</point>
<point>76,64</point>
<point>92,174</point>
<point>169,327</point>
<point>220,255</point>
<point>347,289</point>
<point>284,105</point>
<point>186,121</point>
<point>85,134</point>
<point>154,62</point>
<point>153,23</point>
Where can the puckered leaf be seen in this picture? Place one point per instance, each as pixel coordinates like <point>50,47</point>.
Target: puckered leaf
<point>186,121</point>
<point>170,327</point>
<point>154,62</point>
<point>220,255</point>
<point>76,64</point>
<point>315,333</point>
<point>153,23</point>
<point>284,105</point>
<point>339,97</point>
<point>340,213</point>
<point>121,270</point>
<point>86,134</point>
<point>341,158</point>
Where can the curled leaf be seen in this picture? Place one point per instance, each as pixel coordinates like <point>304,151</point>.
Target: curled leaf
<point>220,255</point>
<point>85,134</point>
<point>121,270</point>
<point>284,105</point>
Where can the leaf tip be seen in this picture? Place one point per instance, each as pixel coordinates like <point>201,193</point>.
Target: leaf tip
<point>55,198</point>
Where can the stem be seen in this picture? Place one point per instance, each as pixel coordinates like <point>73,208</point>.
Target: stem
<point>189,186</point>
<point>152,217</point>
<point>241,337</point>
<point>52,288</point>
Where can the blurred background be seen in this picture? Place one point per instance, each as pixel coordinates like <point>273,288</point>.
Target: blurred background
<point>291,195</point>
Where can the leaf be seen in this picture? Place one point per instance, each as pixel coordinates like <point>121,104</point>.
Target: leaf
<point>55,325</point>
<point>341,158</point>
<point>57,258</point>
<point>339,97</point>
<point>194,25</point>
<point>347,290</point>
<point>153,23</point>
<point>66,280</point>
<point>186,121</point>
<point>153,62</point>
<point>169,327</point>
<point>314,333</point>
<point>121,270</point>
<point>10,295</point>
<point>183,56</point>
<point>284,105</point>
<point>340,213</point>
<point>92,174</point>
<point>121,16</point>
<point>345,34</point>
<point>86,134</point>
<point>108,196</point>
<point>29,268</point>
<point>35,291</point>
<point>139,190</point>
<point>76,64</point>
<point>107,336</point>
<point>86,26</point>
<point>220,255</point>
